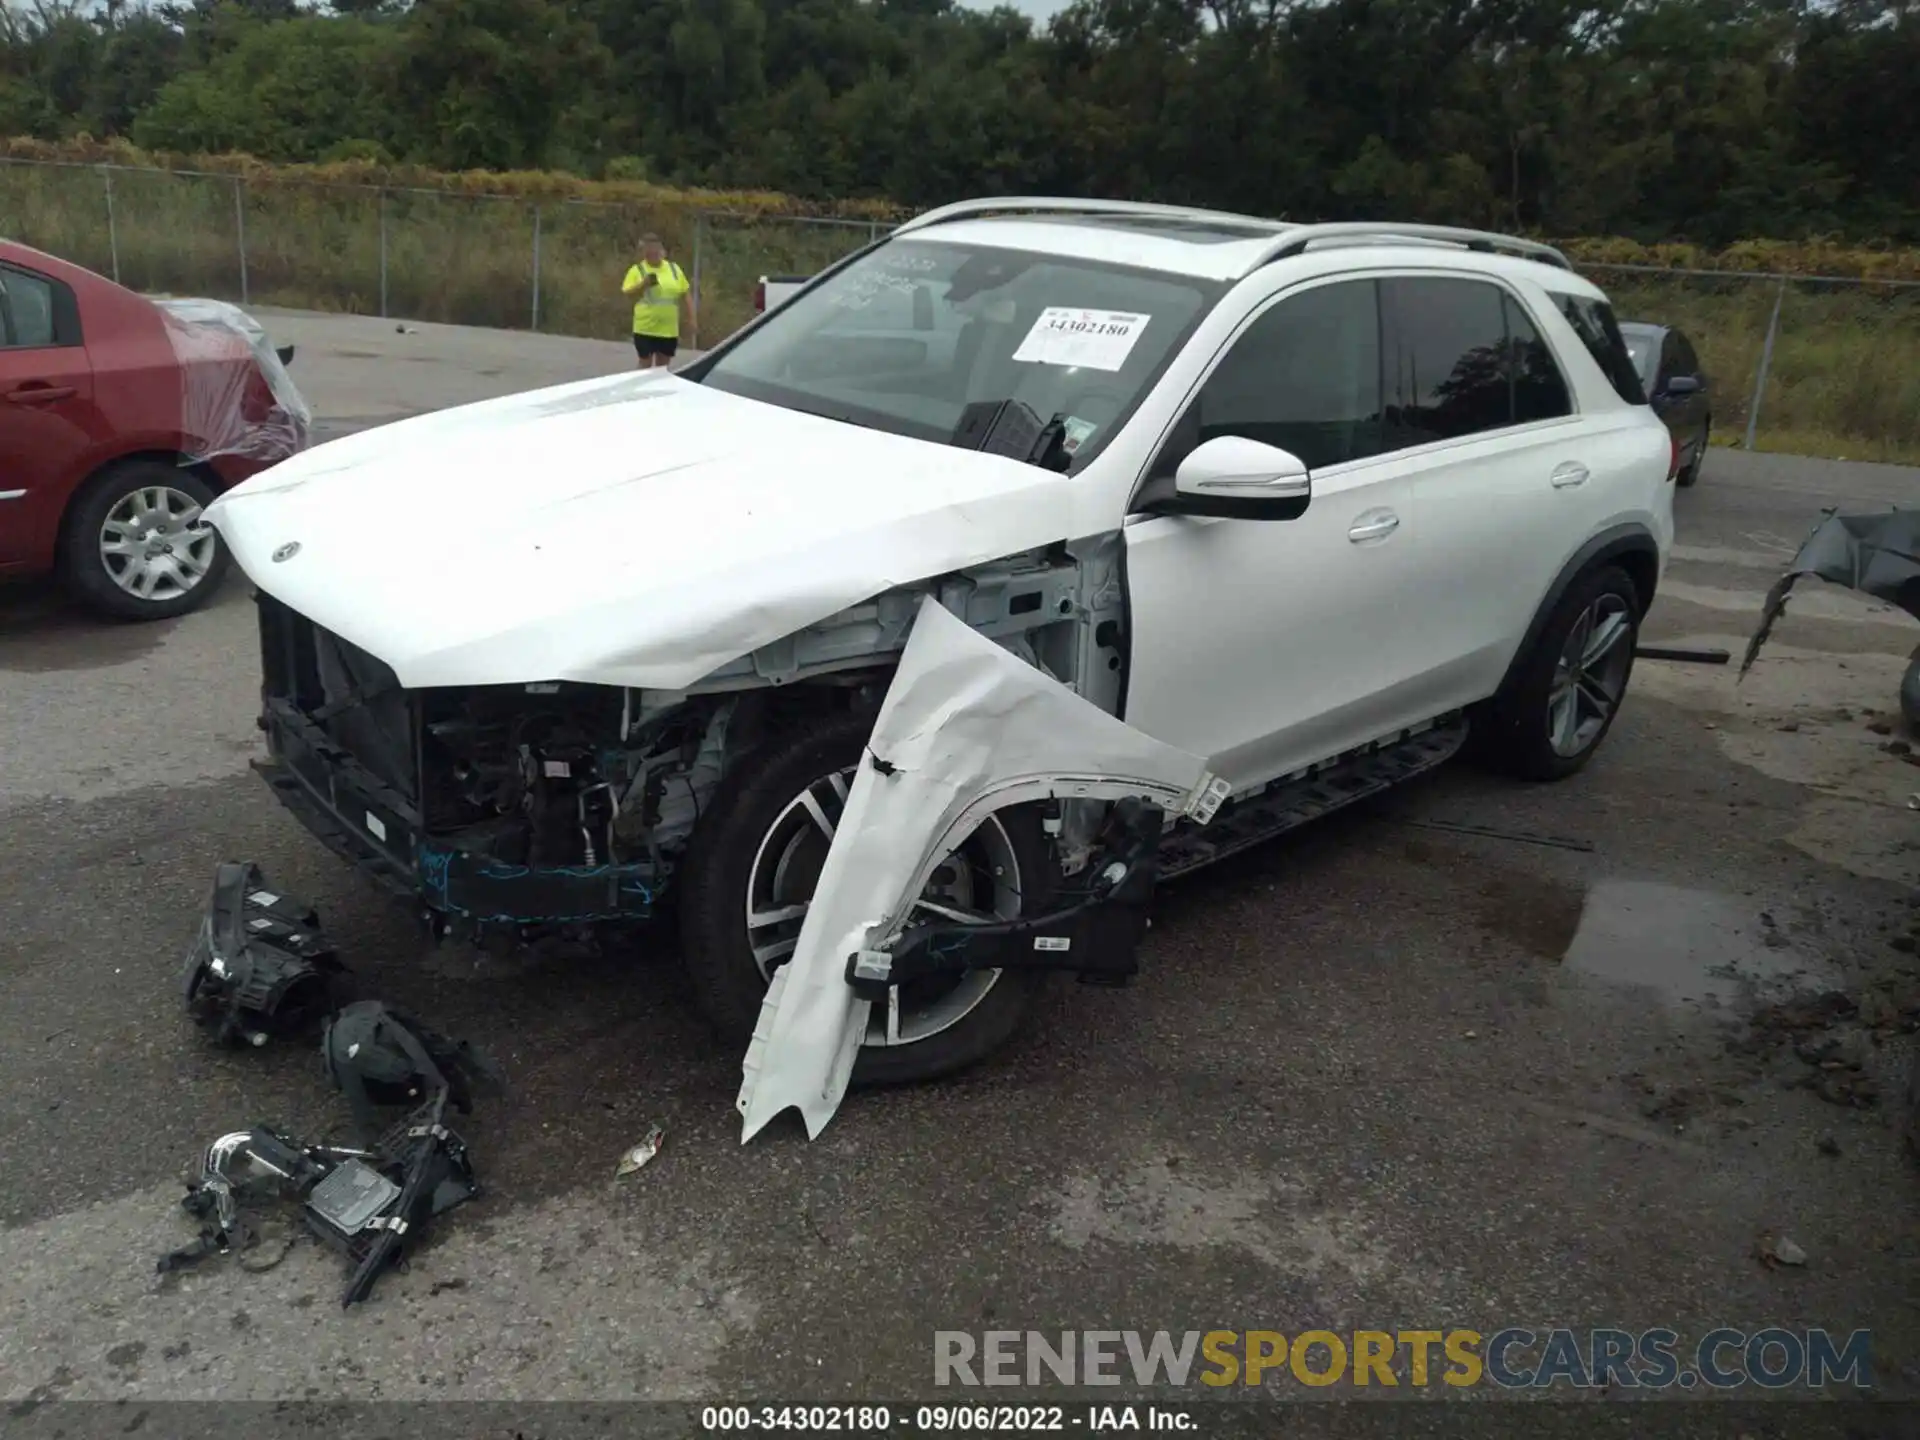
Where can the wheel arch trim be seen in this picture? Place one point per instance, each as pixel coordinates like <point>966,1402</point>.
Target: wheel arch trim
<point>1631,541</point>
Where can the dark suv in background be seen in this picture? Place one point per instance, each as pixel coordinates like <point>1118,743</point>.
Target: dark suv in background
<point>1677,389</point>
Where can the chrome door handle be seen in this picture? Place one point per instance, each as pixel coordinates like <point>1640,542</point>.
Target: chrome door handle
<point>1569,474</point>
<point>1373,525</point>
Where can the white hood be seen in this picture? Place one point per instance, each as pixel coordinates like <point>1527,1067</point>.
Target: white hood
<point>636,530</point>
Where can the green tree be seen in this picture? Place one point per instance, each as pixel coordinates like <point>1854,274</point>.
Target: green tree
<point>485,84</point>
<point>288,90</point>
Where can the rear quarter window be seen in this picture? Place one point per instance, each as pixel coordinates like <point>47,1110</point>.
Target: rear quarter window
<point>1593,321</point>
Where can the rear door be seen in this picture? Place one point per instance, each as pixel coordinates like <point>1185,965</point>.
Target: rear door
<point>1500,478</point>
<point>48,422</point>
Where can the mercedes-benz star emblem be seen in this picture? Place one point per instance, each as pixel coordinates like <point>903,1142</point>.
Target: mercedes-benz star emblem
<point>286,551</point>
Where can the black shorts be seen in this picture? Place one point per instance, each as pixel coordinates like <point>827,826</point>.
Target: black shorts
<point>647,346</point>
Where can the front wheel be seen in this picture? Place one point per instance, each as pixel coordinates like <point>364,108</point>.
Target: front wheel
<point>750,874</point>
<point>1550,719</point>
<point>136,545</point>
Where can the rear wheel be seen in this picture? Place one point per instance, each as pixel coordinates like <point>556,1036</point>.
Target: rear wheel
<point>750,875</point>
<point>1550,719</point>
<point>136,546</point>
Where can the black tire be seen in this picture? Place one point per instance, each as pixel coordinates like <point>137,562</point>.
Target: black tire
<point>718,872</point>
<point>1691,474</point>
<point>1515,733</point>
<point>84,567</point>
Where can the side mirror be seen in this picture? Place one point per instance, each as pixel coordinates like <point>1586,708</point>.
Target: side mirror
<point>285,352</point>
<point>1681,386</point>
<point>1233,478</point>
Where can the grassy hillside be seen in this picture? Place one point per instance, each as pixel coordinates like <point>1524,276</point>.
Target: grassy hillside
<point>1844,380</point>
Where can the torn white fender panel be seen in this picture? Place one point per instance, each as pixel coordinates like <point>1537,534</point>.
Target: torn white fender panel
<point>966,728</point>
<point>650,530</point>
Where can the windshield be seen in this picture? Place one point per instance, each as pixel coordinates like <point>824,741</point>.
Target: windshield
<point>909,336</point>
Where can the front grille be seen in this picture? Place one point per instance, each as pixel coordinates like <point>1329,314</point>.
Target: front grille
<point>353,698</point>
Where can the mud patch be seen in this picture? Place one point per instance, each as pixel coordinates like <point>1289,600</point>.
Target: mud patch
<point>1821,721</point>
<point>1877,841</point>
<point>1539,914</point>
<point>1157,1204</point>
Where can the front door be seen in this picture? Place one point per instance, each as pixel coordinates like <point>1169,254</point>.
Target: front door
<point>1267,646</point>
<point>46,411</point>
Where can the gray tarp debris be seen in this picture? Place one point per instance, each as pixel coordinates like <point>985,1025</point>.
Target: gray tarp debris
<point>214,342</point>
<point>1877,555</point>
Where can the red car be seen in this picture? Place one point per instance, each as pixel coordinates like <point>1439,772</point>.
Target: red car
<point>120,420</point>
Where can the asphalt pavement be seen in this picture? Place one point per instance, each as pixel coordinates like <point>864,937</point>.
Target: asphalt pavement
<point>1476,1055</point>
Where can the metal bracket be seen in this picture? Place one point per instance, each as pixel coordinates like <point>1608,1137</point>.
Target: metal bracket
<point>1098,936</point>
<point>1207,798</point>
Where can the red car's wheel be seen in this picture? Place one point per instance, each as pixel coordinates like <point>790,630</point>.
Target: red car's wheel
<point>136,546</point>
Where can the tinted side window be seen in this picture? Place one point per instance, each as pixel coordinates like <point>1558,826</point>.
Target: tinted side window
<point>1593,321</point>
<point>28,309</point>
<point>1446,360</point>
<point>1539,389</point>
<point>1685,361</point>
<point>1305,376</point>
<point>1669,358</point>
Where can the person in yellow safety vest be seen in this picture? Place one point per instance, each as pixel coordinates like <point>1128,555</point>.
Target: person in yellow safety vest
<point>659,289</point>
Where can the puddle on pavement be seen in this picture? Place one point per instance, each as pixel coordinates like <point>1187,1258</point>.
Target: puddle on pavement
<point>1690,946</point>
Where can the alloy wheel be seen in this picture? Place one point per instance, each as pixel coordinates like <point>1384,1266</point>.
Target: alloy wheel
<point>155,545</point>
<point>978,883</point>
<point>1590,677</point>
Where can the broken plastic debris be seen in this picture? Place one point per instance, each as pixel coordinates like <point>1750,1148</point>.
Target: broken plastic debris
<point>1877,555</point>
<point>640,1154</point>
<point>1773,1251</point>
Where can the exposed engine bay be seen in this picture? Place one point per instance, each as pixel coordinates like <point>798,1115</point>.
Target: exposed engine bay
<point>549,804</point>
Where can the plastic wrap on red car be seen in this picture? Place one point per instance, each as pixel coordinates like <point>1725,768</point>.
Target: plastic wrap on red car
<point>236,398</point>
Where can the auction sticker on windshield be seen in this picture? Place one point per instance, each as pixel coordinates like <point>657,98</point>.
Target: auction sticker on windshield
<point>1094,339</point>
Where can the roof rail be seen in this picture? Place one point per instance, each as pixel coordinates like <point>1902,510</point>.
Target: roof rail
<point>1053,205</point>
<point>1297,238</point>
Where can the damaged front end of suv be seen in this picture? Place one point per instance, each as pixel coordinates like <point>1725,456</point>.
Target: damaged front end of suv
<point>602,737</point>
<point>541,805</point>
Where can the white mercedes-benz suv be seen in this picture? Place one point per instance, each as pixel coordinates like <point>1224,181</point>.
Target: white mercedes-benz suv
<point>1231,519</point>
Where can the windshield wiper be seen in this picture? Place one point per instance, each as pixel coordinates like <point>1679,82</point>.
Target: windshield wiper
<point>845,419</point>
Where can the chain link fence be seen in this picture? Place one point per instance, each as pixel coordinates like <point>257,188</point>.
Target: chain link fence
<point>1811,365</point>
<point>1814,365</point>
<point>413,254</point>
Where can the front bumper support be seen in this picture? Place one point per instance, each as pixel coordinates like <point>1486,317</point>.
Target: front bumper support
<point>379,832</point>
